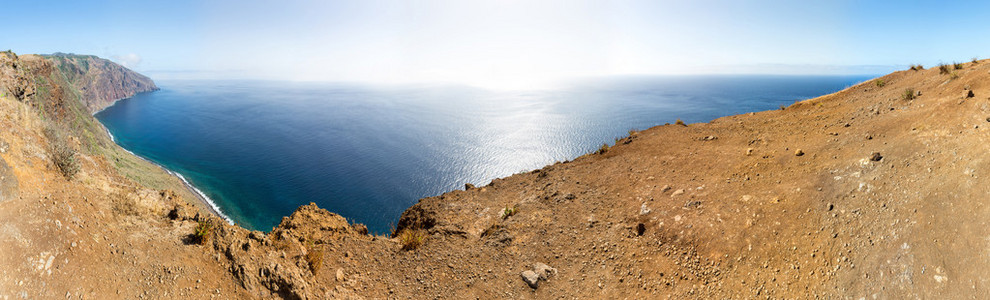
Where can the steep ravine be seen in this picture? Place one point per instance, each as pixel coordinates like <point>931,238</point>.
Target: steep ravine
<point>871,192</point>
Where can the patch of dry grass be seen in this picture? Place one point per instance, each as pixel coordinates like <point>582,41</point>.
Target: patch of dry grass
<point>412,239</point>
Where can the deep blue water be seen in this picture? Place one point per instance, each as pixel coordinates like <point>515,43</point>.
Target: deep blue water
<point>259,149</point>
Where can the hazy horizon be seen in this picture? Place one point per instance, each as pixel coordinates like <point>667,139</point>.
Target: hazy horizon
<point>499,43</point>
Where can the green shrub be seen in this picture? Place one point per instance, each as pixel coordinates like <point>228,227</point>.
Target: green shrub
<point>953,75</point>
<point>508,212</point>
<point>917,67</point>
<point>976,60</point>
<point>943,69</point>
<point>908,94</point>
<point>880,82</point>
<point>957,66</point>
<point>203,231</point>
<point>679,122</point>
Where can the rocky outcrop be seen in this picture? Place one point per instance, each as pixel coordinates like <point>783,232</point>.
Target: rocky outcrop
<point>100,81</point>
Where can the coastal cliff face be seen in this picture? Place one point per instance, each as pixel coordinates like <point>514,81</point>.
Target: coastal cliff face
<point>876,191</point>
<point>100,82</point>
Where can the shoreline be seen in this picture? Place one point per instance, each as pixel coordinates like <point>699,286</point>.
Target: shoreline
<point>211,206</point>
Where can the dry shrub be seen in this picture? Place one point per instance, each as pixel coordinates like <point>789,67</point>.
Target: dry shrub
<point>412,239</point>
<point>943,69</point>
<point>604,148</point>
<point>63,156</point>
<point>314,256</point>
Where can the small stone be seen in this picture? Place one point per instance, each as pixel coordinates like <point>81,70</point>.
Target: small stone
<point>531,278</point>
<point>798,152</point>
<point>677,193</point>
<point>988,119</point>
<point>544,271</point>
<point>340,275</point>
<point>876,156</point>
<point>749,151</point>
<point>666,188</point>
<point>970,94</point>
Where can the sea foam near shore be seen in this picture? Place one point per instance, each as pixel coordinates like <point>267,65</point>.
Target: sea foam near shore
<point>202,196</point>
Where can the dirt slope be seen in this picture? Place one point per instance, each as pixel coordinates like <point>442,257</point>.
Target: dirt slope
<point>861,193</point>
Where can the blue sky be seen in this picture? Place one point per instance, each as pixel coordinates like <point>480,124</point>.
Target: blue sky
<point>500,42</point>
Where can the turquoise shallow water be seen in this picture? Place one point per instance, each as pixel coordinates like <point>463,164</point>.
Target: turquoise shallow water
<point>259,149</point>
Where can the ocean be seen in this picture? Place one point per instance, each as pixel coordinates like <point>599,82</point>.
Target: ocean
<point>260,149</point>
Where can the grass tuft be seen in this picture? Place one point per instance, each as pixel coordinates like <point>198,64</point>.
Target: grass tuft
<point>203,232</point>
<point>411,239</point>
<point>508,212</point>
<point>976,60</point>
<point>604,148</point>
<point>957,66</point>
<point>880,82</point>
<point>917,67</point>
<point>908,94</point>
<point>679,122</point>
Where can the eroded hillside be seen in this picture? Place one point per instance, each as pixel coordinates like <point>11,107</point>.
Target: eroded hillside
<point>874,191</point>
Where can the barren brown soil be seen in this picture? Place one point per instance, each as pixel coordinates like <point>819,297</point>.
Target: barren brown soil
<point>857,194</point>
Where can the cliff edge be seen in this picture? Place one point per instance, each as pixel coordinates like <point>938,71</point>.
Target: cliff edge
<point>876,191</point>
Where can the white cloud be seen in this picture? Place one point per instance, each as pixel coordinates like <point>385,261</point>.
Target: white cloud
<point>129,60</point>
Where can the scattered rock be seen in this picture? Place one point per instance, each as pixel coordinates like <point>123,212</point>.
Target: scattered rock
<point>666,188</point>
<point>468,186</point>
<point>677,193</point>
<point>531,278</point>
<point>643,209</point>
<point>749,151</point>
<point>876,156</point>
<point>545,271</point>
<point>340,275</point>
<point>360,228</point>
<point>918,94</point>
<point>640,229</point>
<point>181,212</point>
<point>798,152</point>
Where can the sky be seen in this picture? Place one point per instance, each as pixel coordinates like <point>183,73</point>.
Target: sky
<point>499,43</point>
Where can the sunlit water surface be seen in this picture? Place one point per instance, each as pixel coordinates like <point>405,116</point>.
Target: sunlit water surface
<point>259,149</point>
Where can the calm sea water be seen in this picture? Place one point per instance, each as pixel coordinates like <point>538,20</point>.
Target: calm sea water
<point>259,149</point>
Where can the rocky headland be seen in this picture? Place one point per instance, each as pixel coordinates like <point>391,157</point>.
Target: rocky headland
<point>876,191</point>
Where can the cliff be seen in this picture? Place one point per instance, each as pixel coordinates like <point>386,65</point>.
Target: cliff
<point>100,82</point>
<point>874,191</point>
